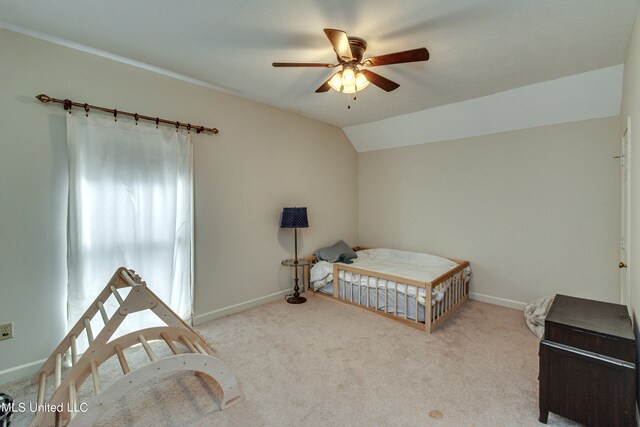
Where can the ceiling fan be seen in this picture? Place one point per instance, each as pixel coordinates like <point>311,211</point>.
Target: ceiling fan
<point>350,53</point>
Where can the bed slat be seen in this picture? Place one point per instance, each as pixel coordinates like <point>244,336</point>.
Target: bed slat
<point>425,301</point>
<point>386,296</point>
<point>395,300</point>
<point>406,299</point>
<point>351,288</point>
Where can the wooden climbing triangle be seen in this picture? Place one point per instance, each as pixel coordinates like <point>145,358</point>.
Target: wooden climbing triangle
<point>198,357</point>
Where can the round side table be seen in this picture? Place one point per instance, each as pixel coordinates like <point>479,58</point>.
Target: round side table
<point>295,263</point>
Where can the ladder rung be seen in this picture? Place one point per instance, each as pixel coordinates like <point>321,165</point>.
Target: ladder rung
<point>122,360</point>
<point>127,278</point>
<point>170,343</point>
<point>187,343</point>
<point>41,386</point>
<point>116,294</point>
<point>72,399</point>
<point>147,348</point>
<point>87,326</point>
<point>74,350</point>
<point>96,377</point>
<point>58,369</point>
<point>200,349</point>
<point>103,312</point>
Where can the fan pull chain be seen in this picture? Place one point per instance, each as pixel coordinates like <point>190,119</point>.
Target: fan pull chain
<point>355,97</point>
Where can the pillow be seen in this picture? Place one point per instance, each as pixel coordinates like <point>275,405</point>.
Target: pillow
<point>333,253</point>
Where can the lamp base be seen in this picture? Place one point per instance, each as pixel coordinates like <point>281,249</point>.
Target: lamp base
<point>296,300</point>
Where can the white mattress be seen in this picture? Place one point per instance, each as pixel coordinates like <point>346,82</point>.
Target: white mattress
<point>410,265</point>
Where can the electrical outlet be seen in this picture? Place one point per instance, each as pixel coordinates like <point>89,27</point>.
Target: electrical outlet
<point>6,331</point>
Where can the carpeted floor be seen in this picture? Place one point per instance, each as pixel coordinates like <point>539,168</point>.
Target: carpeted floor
<point>324,363</point>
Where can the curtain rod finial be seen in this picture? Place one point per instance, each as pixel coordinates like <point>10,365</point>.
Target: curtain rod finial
<point>43,98</point>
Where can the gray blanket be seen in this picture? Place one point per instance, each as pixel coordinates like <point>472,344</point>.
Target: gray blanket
<point>535,313</point>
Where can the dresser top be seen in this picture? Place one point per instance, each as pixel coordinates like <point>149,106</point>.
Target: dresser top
<point>594,316</point>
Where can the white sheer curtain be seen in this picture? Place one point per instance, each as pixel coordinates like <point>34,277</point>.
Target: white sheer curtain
<point>130,204</point>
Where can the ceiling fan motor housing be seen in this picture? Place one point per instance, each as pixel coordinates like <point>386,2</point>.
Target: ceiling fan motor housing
<point>358,46</point>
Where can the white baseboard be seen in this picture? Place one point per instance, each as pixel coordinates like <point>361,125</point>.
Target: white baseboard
<point>225,311</point>
<point>497,301</point>
<point>19,372</point>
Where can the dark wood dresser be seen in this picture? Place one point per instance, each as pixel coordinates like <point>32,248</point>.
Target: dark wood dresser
<point>587,363</point>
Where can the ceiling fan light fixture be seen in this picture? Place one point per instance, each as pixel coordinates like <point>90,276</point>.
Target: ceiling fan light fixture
<point>361,81</point>
<point>336,81</point>
<point>349,80</point>
<point>348,77</point>
<point>349,89</point>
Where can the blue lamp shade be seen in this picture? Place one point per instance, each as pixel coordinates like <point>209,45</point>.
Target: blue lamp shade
<point>294,218</point>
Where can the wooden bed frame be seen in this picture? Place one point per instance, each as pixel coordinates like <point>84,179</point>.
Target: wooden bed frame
<point>435,315</point>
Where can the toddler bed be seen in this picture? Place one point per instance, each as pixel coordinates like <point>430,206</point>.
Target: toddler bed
<point>406,286</point>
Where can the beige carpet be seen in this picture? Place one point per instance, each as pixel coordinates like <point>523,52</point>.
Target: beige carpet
<point>324,363</point>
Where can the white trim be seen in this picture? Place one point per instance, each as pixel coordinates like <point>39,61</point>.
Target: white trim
<point>20,372</point>
<point>226,311</point>
<point>504,302</point>
<point>114,57</point>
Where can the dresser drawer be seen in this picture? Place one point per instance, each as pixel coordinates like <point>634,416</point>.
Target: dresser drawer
<point>596,326</point>
<point>612,346</point>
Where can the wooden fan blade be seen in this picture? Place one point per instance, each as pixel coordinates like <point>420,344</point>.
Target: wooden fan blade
<point>381,82</point>
<point>303,64</point>
<point>325,86</point>
<point>340,43</point>
<point>414,55</point>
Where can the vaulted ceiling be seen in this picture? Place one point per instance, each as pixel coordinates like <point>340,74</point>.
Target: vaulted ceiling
<point>478,47</point>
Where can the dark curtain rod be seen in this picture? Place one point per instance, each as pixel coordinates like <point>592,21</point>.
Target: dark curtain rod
<point>67,103</point>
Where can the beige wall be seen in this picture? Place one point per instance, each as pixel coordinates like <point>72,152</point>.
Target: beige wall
<point>262,160</point>
<point>535,211</point>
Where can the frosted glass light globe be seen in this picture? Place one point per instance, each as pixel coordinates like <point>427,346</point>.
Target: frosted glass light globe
<point>336,81</point>
<point>361,81</point>
<point>348,77</point>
